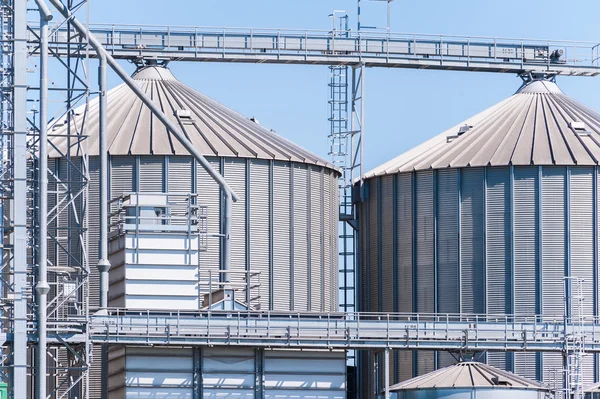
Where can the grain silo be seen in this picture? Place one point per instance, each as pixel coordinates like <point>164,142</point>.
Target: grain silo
<point>469,380</point>
<point>284,231</point>
<point>488,218</point>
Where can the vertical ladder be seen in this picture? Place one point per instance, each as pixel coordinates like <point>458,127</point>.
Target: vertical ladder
<point>575,342</point>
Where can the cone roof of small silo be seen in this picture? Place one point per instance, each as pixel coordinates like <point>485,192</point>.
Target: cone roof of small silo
<point>592,388</point>
<point>468,375</point>
<point>538,125</point>
<point>213,129</point>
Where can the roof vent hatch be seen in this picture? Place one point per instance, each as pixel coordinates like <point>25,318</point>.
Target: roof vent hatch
<point>461,130</point>
<point>183,113</point>
<point>579,128</point>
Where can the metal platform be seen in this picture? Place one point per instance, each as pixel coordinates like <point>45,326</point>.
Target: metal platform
<point>372,49</point>
<point>334,331</point>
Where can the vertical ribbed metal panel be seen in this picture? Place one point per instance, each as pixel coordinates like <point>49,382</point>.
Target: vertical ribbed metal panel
<point>180,170</point>
<point>259,229</point>
<point>334,199</point>
<point>472,220</point>
<point>328,238</point>
<point>93,229</point>
<point>300,217</point>
<point>553,241</point>
<point>425,274</point>
<point>498,249</point>
<point>123,176</point>
<point>447,242</point>
<point>316,238</point>
<point>447,250</point>
<point>582,247</point>
<point>152,174</point>
<point>404,289</point>
<point>209,195</point>
<point>281,236</point>
<point>526,219</point>
<point>235,174</point>
<point>387,244</point>
<point>373,245</point>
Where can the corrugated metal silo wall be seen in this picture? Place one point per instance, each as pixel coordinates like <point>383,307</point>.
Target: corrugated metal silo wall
<point>494,240</point>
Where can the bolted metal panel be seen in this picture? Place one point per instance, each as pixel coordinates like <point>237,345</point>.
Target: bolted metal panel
<point>373,256</point>
<point>387,244</point>
<point>228,372</point>
<point>300,226</point>
<point>209,195</point>
<point>329,219</point>
<point>447,242</point>
<point>180,179</point>
<point>235,173</point>
<point>281,236</point>
<point>259,230</point>
<point>315,237</point>
<point>447,282</point>
<point>404,243</point>
<point>152,174</point>
<point>526,219</point>
<point>472,261</point>
<point>123,175</point>
<point>498,249</point>
<point>424,246</point>
<point>553,241</point>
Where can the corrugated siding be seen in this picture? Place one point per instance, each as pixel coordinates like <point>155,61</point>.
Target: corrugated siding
<point>281,236</point>
<point>316,239</point>
<point>526,218</point>
<point>300,220</point>
<point>554,241</point>
<point>329,238</point>
<point>180,171</point>
<point>93,227</point>
<point>472,257</point>
<point>123,176</point>
<point>335,234</point>
<point>582,248</point>
<point>387,244</point>
<point>259,229</point>
<point>209,194</point>
<point>447,242</point>
<point>498,250</point>
<point>424,236</point>
<point>404,288</point>
<point>235,174</point>
<point>373,278</point>
<point>152,174</point>
<point>553,371</point>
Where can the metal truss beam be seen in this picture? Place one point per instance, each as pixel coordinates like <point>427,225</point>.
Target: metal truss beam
<point>372,49</point>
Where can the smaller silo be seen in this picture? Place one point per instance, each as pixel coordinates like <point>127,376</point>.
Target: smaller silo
<point>469,380</point>
<point>592,391</point>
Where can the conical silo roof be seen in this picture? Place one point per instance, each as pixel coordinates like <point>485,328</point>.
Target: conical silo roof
<point>467,375</point>
<point>538,125</point>
<point>213,129</point>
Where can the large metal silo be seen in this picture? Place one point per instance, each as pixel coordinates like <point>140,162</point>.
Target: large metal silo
<point>487,218</point>
<point>284,233</point>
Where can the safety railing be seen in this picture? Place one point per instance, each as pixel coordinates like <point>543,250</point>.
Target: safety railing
<point>352,330</point>
<point>310,46</point>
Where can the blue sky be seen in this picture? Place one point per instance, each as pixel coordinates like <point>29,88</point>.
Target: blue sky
<point>403,107</point>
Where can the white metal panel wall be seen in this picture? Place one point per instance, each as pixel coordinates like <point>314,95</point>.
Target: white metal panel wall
<point>329,237</point>
<point>387,276</point>
<point>209,195</point>
<point>447,242</point>
<point>304,375</point>
<point>582,247</point>
<point>373,255</point>
<point>152,174</point>
<point>447,249</point>
<point>300,243</point>
<point>472,221</point>
<point>404,288</point>
<point>315,211</point>
<point>498,249</point>
<point>235,174</point>
<point>180,180</point>
<point>425,252</point>
<point>258,235</point>
<point>526,219</point>
<point>281,236</point>
<point>228,373</point>
<point>334,199</point>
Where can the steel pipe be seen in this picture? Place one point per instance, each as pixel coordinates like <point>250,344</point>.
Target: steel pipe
<point>177,132</point>
<point>42,288</point>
